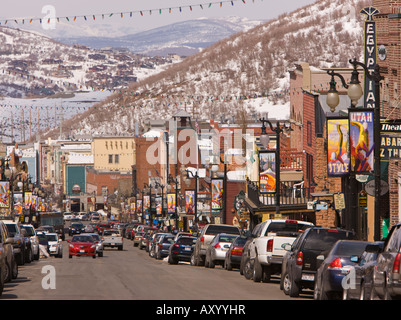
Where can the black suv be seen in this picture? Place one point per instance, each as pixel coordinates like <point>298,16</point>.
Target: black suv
<point>76,228</point>
<point>300,262</point>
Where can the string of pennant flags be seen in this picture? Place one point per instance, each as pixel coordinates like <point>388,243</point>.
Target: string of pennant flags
<point>123,14</point>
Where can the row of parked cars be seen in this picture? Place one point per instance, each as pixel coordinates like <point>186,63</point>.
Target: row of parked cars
<point>330,262</point>
<point>21,244</point>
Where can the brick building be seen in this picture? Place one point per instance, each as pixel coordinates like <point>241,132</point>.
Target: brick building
<point>388,35</point>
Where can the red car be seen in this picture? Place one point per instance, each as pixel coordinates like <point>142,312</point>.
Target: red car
<point>82,245</point>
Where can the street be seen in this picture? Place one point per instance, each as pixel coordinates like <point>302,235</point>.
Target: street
<point>132,275</point>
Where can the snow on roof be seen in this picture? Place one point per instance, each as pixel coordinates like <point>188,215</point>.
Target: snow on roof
<point>153,133</point>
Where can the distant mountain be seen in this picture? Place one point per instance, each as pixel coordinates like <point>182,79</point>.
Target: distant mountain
<point>182,38</point>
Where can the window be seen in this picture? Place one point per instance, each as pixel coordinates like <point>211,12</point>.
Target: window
<point>309,133</point>
<point>116,158</point>
<point>110,158</point>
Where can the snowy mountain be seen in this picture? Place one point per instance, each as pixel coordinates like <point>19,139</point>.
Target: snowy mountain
<point>244,74</point>
<point>182,38</point>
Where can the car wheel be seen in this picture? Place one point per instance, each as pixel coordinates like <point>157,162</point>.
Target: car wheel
<point>94,256</point>
<point>100,254</point>
<point>70,256</point>
<point>7,270</point>
<point>316,295</point>
<point>257,270</point>
<point>248,268</point>
<point>29,256</point>
<point>120,248</point>
<point>228,265</point>
<point>193,260</point>
<point>286,284</point>
<point>171,260</point>
<point>212,264</point>
<point>294,290</point>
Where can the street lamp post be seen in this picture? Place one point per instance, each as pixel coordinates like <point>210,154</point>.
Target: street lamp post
<point>265,139</point>
<point>196,176</point>
<point>355,93</point>
<point>175,181</point>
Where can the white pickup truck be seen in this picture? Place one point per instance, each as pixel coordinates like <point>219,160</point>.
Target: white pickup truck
<point>112,238</point>
<point>266,247</point>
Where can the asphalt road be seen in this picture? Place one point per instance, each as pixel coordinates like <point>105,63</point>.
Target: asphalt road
<point>132,275</point>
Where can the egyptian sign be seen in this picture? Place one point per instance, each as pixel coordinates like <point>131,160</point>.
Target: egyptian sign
<point>361,140</point>
<point>338,160</point>
<point>370,55</point>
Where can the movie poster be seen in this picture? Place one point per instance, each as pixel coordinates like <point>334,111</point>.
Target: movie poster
<point>190,201</point>
<point>146,203</point>
<point>4,194</point>
<point>171,203</point>
<point>28,200</point>
<point>361,136</point>
<point>338,160</point>
<point>159,207</point>
<point>217,194</point>
<point>139,206</point>
<point>267,172</point>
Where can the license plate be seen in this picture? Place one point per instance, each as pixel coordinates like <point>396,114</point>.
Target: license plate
<point>81,251</point>
<point>308,277</point>
<point>112,244</point>
<point>187,249</point>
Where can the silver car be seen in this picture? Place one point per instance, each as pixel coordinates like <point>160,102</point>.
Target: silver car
<point>31,232</point>
<point>99,244</point>
<point>216,252</point>
<point>387,274</point>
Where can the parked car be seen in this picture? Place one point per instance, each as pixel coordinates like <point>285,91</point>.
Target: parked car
<point>181,249</point>
<point>76,228</point>
<point>31,233</point>
<point>362,287</point>
<point>67,216</point>
<point>19,243</point>
<point>180,234</point>
<point>335,267</point>
<point>234,253</point>
<point>152,243</point>
<point>55,245</point>
<point>300,264</point>
<point>8,264</point>
<point>147,232</point>
<point>162,246</point>
<point>99,244</point>
<point>216,252</point>
<point>138,238</point>
<point>266,250</point>
<point>205,238</point>
<point>82,245</point>
<point>46,229</point>
<point>387,273</point>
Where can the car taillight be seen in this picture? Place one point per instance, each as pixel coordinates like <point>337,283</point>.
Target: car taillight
<point>335,264</point>
<point>217,245</point>
<point>269,247</point>
<point>160,246</point>
<point>396,265</point>
<point>202,239</point>
<point>176,245</point>
<point>300,258</point>
<point>236,251</point>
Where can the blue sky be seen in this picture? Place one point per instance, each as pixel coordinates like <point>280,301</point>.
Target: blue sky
<point>251,9</point>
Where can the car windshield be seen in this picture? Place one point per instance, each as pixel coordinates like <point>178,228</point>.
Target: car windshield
<point>168,240</point>
<point>52,237</point>
<point>42,237</point>
<point>350,248</point>
<point>96,237</point>
<point>213,230</point>
<point>226,238</point>
<point>186,241</point>
<point>77,225</point>
<point>240,241</point>
<point>289,229</point>
<point>82,239</point>
<point>12,228</point>
<point>29,231</point>
<point>322,240</point>
<point>107,233</point>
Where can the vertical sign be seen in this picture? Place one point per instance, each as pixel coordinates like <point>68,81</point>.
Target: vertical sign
<point>370,55</point>
<point>267,172</point>
<point>190,201</point>
<point>139,206</point>
<point>361,131</point>
<point>4,194</point>
<point>171,203</point>
<point>217,194</point>
<point>337,147</point>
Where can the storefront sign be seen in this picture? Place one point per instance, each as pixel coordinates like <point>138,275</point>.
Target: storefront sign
<point>390,146</point>
<point>370,55</point>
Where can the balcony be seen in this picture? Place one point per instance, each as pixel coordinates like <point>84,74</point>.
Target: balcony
<point>292,196</point>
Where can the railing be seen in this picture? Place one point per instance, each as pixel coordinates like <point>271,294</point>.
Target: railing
<point>291,159</point>
<point>290,194</point>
